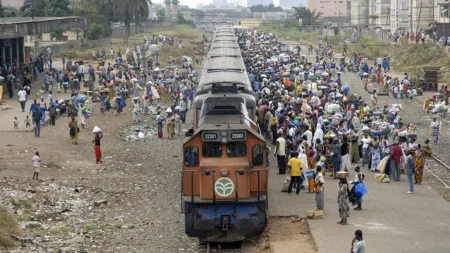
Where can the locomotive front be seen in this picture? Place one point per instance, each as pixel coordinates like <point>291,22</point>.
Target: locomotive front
<point>224,175</point>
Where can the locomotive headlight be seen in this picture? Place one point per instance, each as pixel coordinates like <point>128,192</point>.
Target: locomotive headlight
<point>223,134</point>
<point>207,172</point>
<point>241,172</point>
<point>224,140</point>
<point>224,173</point>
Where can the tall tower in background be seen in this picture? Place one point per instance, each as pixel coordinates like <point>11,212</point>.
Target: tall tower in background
<point>168,10</point>
<point>174,8</point>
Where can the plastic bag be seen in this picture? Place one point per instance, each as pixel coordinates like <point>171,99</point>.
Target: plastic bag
<point>360,189</point>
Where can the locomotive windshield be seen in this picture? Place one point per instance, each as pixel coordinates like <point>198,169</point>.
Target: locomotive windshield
<point>219,106</point>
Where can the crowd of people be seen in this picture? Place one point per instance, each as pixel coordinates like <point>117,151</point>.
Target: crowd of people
<point>319,127</point>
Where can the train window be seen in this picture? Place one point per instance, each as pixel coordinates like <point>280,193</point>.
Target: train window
<point>236,149</point>
<point>191,156</point>
<point>212,149</point>
<point>257,155</point>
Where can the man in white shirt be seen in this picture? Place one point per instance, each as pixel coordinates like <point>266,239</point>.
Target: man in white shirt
<point>358,243</point>
<point>309,136</point>
<point>280,154</point>
<point>22,98</point>
<point>111,52</point>
<point>81,72</point>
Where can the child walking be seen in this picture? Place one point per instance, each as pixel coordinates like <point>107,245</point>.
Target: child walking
<point>16,123</point>
<point>37,164</point>
<point>27,122</point>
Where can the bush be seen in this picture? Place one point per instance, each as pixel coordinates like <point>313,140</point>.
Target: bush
<point>8,226</point>
<point>94,32</point>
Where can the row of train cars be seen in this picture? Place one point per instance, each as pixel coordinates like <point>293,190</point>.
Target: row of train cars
<point>225,173</point>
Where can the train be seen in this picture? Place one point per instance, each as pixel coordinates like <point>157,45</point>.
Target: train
<point>224,168</point>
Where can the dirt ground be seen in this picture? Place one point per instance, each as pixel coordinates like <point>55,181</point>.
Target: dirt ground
<point>130,203</point>
<point>283,236</point>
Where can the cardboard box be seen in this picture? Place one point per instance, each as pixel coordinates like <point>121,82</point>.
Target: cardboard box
<point>314,214</point>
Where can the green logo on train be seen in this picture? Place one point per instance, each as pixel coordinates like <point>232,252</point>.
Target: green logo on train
<point>224,187</point>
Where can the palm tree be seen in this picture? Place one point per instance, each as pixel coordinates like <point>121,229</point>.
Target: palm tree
<point>129,10</point>
<point>33,8</point>
<point>307,16</point>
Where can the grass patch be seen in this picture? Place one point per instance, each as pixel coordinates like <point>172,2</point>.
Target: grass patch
<point>54,231</point>
<point>423,55</point>
<point>183,32</point>
<point>8,226</point>
<point>96,227</point>
<point>369,47</point>
<point>53,165</point>
<point>187,34</point>
<point>25,206</point>
<point>22,204</point>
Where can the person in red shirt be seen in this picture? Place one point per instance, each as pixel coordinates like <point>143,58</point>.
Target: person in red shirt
<point>396,156</point>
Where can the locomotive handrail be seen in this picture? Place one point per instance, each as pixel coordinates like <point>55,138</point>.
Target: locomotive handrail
<point>192,187</point>
<point>214,180</point>
<point>237,186</point>
<point>258,184</point>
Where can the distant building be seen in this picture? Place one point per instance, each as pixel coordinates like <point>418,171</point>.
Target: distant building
<point>359,12</point>
<point>271,16</point>
<point>332,10</point>
<point>287,4</point>
<point>220,3</point>
<point>379,14</point>
<point>256,2</point>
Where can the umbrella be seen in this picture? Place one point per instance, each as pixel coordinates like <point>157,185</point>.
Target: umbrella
<point>134,79</point>
<point>169,110</point>
<point>263,75</point>
<point>177,108</point>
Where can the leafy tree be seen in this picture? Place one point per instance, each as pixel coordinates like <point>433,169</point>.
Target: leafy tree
<point>127,10</point>
<point>57,8</point>
<point>161,15</point>
<point>262,8</point>
<point>33,8</point>
<point>94,31</point>
<point>97,14</point>
<point>198,14</point>
<point>308,17</point>
<point>257,8</point>
<point>2,11</point>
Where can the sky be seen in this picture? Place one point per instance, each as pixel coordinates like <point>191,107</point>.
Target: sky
<point>193,3</point>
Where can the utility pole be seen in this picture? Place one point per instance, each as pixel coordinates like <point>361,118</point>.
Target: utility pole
<point>410,16</point>
<point>418,20</point>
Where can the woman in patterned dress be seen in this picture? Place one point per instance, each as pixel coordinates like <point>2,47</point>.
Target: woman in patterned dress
<point>343,202</point>
<point>376,154</point>
<point>419,164</point>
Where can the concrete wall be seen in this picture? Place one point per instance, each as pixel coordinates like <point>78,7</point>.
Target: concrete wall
<point>329,8</point>
<point>39,26</point>
<point>381,35</point>
<point>61,48</point>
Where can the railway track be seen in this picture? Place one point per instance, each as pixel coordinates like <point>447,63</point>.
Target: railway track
<point>210,247</point>
<point>441,173</point>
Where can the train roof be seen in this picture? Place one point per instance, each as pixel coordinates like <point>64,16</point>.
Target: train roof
<point>239,78</point>
<point>224,45</point>
<point>229,52</point>
<point>224,64</point>
<point>225,40</point>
